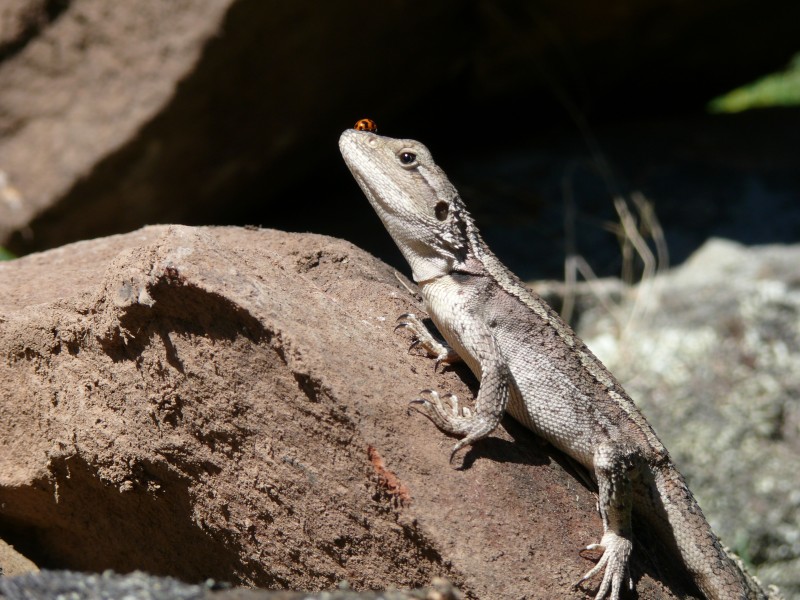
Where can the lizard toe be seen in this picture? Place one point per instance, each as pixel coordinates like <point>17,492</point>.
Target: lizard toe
<point>613,564</point>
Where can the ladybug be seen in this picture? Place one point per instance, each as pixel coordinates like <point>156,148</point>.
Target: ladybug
<point>366,125</point>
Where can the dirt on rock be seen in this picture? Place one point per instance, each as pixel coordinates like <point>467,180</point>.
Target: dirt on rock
<point>232,403</point>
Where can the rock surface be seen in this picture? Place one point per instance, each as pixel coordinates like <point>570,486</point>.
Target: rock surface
<point>12,563</point>
<point>140,586</point>
<point>232,404</point>
<point>80,79</point>
<point>115,115</point>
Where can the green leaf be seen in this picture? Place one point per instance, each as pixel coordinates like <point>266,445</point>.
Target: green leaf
<point>776,89</point>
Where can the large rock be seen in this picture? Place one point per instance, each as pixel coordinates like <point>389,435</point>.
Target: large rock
<point>232,404</point>
<point>13,563</point>
<point>80,84</point>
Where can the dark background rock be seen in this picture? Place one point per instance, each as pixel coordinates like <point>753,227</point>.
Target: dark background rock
<point>228,111</point>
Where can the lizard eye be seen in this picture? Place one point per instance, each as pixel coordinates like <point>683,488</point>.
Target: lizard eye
<point>408,159</point>
<point>441,210</point>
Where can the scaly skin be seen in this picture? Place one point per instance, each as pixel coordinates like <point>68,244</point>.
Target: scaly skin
<point>532,364</point>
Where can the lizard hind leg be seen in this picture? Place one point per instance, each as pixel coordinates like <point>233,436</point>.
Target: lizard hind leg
<point>613,467</point>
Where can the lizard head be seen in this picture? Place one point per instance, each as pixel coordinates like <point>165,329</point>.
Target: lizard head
<point>418,205</point>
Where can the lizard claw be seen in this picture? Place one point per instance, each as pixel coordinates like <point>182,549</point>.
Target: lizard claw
<point>423,337</point>
<point>410,321</point>
<point>449,417</point>
<point>422,401</point>
<point>406,320</point>
<point>613,563</point>
<point>458,447</point>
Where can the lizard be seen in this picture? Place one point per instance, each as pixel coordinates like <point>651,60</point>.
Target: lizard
<point>530,363</point>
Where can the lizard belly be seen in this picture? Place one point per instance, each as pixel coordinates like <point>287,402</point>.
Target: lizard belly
<point>447,302</point>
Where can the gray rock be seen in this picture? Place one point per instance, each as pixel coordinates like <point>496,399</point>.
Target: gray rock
<point>67,585</point>
<point>713,359</point>
<point>70,585</point>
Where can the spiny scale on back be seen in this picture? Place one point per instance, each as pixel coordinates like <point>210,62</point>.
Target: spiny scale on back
<point>530,362</point>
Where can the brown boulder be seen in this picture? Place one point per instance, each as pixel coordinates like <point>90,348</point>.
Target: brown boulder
<point>232,403</point>
<point>12,563</point>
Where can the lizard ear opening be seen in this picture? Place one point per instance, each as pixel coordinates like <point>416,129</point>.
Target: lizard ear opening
<point>441,210</point>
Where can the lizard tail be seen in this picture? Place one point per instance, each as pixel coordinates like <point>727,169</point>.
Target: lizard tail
<point>719,575</point>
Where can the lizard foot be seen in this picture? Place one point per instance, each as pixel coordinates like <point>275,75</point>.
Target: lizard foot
<point>448,417</point>
<point>616,551</point>
<point>453,419</point>
<point>424,338</point>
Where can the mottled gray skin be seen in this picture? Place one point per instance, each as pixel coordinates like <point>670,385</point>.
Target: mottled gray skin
<point>532,364</point>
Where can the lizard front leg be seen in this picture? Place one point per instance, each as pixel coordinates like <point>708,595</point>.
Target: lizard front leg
<point>493,395</point>
<point>423,337</point>
<point>614,465</point>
